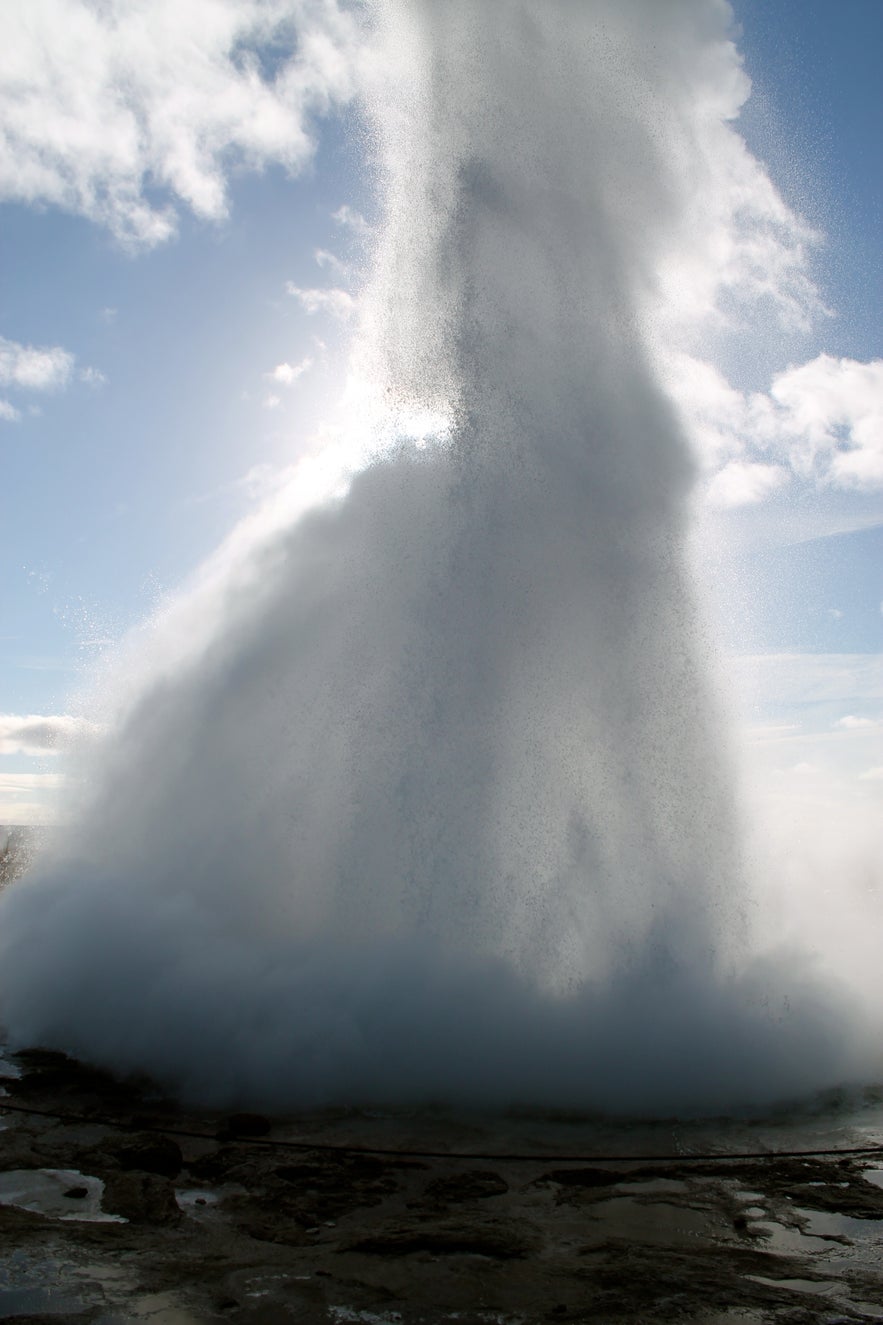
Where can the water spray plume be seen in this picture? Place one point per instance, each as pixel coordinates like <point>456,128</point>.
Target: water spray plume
<point>432,800</point>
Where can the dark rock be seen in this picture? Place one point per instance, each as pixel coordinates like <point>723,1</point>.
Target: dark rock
<point>148,1153</point>
<point>19,1152</point>
<point>76,1193</point>
<point>142,1198</point>
<point>329,1185</point>
<point>227,1163</point>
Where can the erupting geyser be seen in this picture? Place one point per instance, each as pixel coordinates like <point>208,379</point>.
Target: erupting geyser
<point>432,802</point>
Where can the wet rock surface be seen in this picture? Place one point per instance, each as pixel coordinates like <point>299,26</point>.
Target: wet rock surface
<point>156,1214</point>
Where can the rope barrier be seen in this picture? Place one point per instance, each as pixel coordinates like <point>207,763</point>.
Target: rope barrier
<point>331,1147</point>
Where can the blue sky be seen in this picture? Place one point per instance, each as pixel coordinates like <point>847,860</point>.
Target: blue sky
<point>180,376</point>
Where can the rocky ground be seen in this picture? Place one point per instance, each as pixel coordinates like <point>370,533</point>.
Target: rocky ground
<point>117,1207</point>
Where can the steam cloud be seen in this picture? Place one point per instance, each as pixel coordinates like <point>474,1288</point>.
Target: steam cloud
<point>436,804</point>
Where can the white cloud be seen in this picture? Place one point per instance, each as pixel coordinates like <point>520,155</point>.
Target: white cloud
<point>38,368</point>
<point>326,259</point>
<point>741,257</point>
<point>261,481</point>
<point>286,374</point>
<point>743,483</point>
<point>352,220</point>
<point>123,111</point>
<point>34,369</point>
<point>832,420</point>
<point>93,377</point>
<point>337,303</point>
<point>852,723</point>
<point>820,423</point>
<point>873,774</point>
<point>35,734</point>
<point>29,798</point>
<point>13,783</point>
<point>28,813</point>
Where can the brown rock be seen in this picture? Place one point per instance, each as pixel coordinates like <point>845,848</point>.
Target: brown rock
<point>142,1198</point>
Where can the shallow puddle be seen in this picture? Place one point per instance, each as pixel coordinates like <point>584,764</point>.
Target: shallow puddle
<point>819,1287</point>
<point>198,1198</point>
<point>56,1193</point>
<point>785,1239</point>
<point>874,1175</point>
<point>49,1286</point>
<point>36,1285</point>
<point>827,1224</point>
<point>18,1302</point>
<point>869,1309</point>
<point>152,1309</point>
